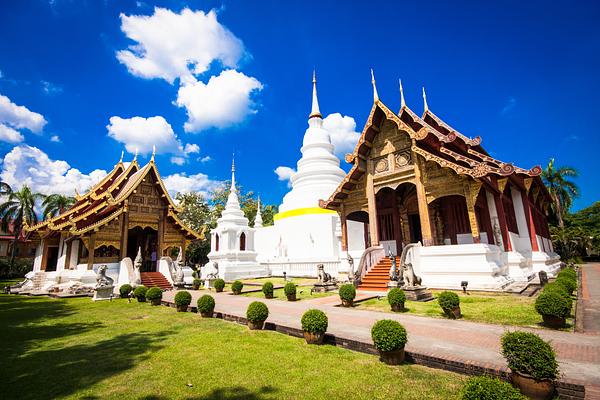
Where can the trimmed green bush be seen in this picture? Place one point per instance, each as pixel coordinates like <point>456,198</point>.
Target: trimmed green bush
<point>553,302</point>
<point>347,292</point>
<point>219,284</point>
<point>289,289</point>
<point>527,353</point>
<point>555,287</point>
<point>487,388</point>
<point>125,289</point>
<point>314,321</point>
<point>183,298</point>
<point>140,293</point>
<point>396,297</point>
<point>154,293</point>
<point>236,287</point>
<point>257,312</point>
<point>568,272</point>
<point>206,304</point>
<point>569,284</point>
<point>267,289</point>
<point>196,284</point>
<point>448,300</point>
<point>388,335</point>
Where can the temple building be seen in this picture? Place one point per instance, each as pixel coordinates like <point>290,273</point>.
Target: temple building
<point>417,179</point>
<point>127,212</point>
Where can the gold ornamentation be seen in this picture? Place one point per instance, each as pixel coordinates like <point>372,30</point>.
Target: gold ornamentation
<point>402,159</point>
<point>381,165</point>
<point>502,184</point>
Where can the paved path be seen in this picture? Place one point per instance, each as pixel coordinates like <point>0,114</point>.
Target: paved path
<point>578,354</point>
<point>590,282</point>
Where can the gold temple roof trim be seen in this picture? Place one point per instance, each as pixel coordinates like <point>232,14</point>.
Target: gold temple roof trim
<point>471,142</point>
<point>97,224</point>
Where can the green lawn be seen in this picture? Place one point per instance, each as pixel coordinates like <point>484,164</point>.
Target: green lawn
<point>8,282</point>
<point>302,293</point>
<point>493,308</point>
<point>77,349</point>
<point>281,281</point>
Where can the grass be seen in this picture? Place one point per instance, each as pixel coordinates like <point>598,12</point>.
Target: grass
<point>9,282</point>
<point>302,293</point>
<point>280,281</point>
<point>493,308</point>
<point>74,349</point>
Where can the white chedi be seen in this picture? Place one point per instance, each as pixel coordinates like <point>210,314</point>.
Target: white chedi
<point>232,241</point>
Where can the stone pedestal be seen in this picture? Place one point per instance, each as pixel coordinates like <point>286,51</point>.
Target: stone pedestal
<point>417,293</point>
<point>392,284</point>
<point>324,287</point>
<point>103,293</point>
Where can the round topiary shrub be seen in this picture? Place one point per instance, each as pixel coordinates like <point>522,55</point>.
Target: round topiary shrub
<point>314,321</point>
<point>389,337</point>
<point>486,388</point>
<point>568,283</point>
<point>450,304</point>
<point>568,272</point>
<point>219,284</point>
<point>256,314</point>
<point>206,305</point>
<point>555,287</point>
<point>196,284</point>
<point>140,293</point>
<point>125,289</point>
<point>154,294</point>
<point>290,291</point>
<point>396,298</point>
<point>347,294</point>
<point>526,353</point>
<point>267,289</point>
<point>183,300</point>
<point>236,287</point>
<point>554,307</point>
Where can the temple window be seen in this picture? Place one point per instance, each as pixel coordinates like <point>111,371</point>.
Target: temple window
<point>216,242</point>
<point>243,241</point>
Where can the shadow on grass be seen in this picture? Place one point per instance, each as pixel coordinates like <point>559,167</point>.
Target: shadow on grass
<point>229,393</point>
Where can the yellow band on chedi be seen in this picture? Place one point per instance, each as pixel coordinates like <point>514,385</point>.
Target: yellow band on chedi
<point>302,211</point>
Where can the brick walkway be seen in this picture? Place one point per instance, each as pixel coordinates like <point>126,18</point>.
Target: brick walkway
<point>578,354</point>
<point>590,282</point>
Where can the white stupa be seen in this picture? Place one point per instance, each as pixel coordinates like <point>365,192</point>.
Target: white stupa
<point>258,222</point>
<point>232,241</point>
<point>303,232</point>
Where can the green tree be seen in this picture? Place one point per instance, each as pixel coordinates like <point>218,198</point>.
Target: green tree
<point>196,214</point>
<point>56,204</point>
<point>562,190</point>
<point>18,209</point>
<point>248,204</point>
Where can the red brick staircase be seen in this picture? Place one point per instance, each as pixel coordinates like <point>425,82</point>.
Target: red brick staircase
<point>150,279</point>
<point>378,277</point>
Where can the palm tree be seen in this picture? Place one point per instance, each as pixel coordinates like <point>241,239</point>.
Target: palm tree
<point>5,189</point>
<point>56,204</point>
<point>17,210</point>
<point>562,190</point>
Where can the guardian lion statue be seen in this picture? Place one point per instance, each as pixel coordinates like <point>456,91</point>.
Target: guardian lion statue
<point>410,279</point>
<point>101,279</point>
<point>323,276</point>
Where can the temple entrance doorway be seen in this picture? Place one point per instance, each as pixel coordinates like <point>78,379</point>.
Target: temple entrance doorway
<point>52,259</point>
<point>145,239</point>
<point>361,216</point>
<point>398,221</point>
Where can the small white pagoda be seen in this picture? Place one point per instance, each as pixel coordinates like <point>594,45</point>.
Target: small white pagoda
<point>232,242</point>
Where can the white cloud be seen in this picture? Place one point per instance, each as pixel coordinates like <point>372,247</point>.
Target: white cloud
<point>182,183</point>
<point>191,148</point>
<point>342,130</point>
<point>222,102</point>
<point>510,104</point>
<point>55,139</point>
<point>27,165</point>
<point>143,133</point>
<point>205,159</point>
<point>178,160</point>
<point>19,117</point>
<point>171,45</point>
<point>284,174</point>
<point>50,88</point>
<point>8,134</point>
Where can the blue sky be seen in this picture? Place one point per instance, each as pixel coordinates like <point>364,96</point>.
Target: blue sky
<point>92,75</point>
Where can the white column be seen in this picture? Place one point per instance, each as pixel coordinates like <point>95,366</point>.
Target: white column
<point>521,219</point>
<point>493,217</point>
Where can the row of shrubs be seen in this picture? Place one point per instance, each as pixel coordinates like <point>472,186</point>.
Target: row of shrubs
<point>555,302</point>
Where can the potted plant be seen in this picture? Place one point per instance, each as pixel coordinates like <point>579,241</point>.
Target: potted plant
<point>389,337</point>
<point>267,289</point>
<point>484,387</point>
<point>154,294</point>
<point>532,362</point>
<point>183,300</point>
<point>236,287</point>
<point>290,291</point>
<point>140,293</point>
<point>450,304</point>
<point>219,285</point>
<point>554,307</point>
<point>568,283</point>
<point>206,306</point>
<point>396,298</point>
<point>196,284</point>
<point>347,294</point>
<point>257,314</point>
<point>125,290</point>
<point>314,324</point>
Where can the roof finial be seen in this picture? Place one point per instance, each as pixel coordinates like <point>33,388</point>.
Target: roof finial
<point>425,100</point>
<point>121,159</point>
<point>402,102</point>
<point>136,154</point>
<point>233,173</point>
<point>315,112</point>
<point>375,95</point>
<point>153,152</point>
